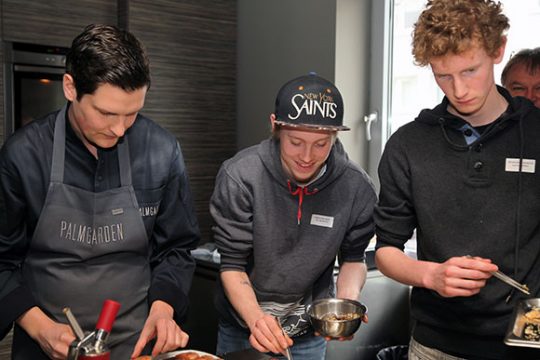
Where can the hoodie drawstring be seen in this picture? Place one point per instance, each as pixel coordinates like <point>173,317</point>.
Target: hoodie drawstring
<point>486,134</point>
<point>518,207</point>
<point>453,145</point>
<point>300,191</point>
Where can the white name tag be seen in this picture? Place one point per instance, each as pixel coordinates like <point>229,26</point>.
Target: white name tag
<point>118,211</point>
<point>321,220</point>
<point>527,165</point>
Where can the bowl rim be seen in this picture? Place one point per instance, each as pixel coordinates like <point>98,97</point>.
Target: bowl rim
<point>336,300</point>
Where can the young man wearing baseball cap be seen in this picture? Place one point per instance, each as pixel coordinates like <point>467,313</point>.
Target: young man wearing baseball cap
<point>283,210</point>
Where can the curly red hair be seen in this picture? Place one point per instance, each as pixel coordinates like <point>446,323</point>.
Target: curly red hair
<point>454,26</point>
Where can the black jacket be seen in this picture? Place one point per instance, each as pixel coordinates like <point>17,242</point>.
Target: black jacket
<point>465,200</point>
<point>161,186</point>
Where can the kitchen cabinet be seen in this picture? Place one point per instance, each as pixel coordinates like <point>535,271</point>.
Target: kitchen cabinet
<point>191,45</point>
<point>53,22</point>
<point>202,318</point>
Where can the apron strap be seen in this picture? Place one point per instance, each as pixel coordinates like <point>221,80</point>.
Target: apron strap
<point>59,147</point>
<point>59,152</point>
<point>124,161</point>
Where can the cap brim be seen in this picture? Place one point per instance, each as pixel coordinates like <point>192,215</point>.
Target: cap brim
<point>313,126</point>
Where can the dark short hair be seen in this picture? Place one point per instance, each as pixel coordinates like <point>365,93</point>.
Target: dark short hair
<point>105,54</point>
<point>530,58</point>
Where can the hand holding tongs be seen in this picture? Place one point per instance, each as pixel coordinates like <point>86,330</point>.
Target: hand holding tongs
<point>508,280</point>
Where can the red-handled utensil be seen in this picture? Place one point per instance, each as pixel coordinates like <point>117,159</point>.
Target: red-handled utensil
<point>94,345</point>
<point>107,315</point>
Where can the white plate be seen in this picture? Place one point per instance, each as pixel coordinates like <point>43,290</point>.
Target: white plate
<point>170,355</point>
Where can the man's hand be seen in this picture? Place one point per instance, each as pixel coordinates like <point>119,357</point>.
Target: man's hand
<point>459,276</point>
<point>266,335</point>
<point>53,338</point>
<point>160,324</point>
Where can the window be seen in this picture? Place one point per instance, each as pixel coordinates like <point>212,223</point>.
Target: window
<point>413,87</point>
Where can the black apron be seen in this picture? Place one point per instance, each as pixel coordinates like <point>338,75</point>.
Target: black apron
<point>88,247</point>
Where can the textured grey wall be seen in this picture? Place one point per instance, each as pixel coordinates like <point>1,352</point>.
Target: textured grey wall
<point>277,41</point>
<point>282,39</point>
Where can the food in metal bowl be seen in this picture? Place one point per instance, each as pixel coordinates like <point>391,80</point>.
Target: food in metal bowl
<point>336,318</point>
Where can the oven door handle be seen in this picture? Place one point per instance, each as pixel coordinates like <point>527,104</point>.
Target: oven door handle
<point>38,69</point>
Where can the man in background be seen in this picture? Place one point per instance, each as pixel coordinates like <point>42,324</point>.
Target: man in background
<point>521,75</point>
<point>464,175</point>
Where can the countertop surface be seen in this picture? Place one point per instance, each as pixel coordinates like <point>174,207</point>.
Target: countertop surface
<point>249,354</point>
<point>209,259</point>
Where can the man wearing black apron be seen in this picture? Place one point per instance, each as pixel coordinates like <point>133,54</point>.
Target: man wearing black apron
<point>96,205</point>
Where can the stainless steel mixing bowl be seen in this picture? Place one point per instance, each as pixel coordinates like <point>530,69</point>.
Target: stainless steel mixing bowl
<point>336,318</point>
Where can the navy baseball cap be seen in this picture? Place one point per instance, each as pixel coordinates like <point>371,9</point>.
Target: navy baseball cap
<point>310,101</point>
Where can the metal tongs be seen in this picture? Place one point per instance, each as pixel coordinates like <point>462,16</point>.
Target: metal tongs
<point>82,339</point>
<point>288,354</point>
<point>508,280</point>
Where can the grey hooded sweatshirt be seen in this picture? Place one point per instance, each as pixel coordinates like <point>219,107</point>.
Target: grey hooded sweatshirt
<point>286,237</point>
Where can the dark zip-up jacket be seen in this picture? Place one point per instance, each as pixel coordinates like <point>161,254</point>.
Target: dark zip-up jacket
<point>284,236</point>
<point>465,200</point>
<point>161,186</point>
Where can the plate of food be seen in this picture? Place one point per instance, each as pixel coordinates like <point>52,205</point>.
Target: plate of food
<point>182,355</point>
<point>524,329</point>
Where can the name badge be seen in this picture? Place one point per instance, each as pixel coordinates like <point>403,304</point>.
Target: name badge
<point>321,220</point>
<point>527,165</point>
<point>118,211</point>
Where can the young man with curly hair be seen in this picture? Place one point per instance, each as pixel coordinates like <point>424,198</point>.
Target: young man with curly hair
<point>463,175</point>
<point>521,75</point>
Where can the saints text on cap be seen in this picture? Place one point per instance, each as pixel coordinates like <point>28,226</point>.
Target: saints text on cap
<point>310,101</point>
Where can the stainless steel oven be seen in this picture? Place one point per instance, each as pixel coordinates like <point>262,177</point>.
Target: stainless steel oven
<point>33,82</point>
